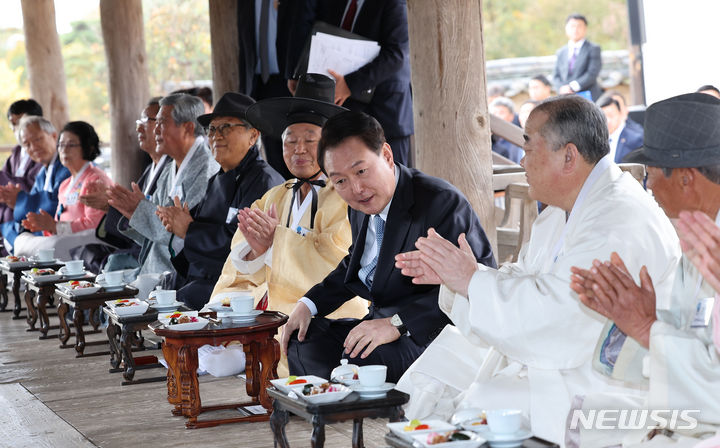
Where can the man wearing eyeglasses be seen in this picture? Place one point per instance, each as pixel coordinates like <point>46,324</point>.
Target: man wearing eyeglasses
<point>39,137</point>
<point>179,136</point>
<point>201,236</point>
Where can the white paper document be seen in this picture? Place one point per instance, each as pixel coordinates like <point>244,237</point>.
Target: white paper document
<point>339,54</point>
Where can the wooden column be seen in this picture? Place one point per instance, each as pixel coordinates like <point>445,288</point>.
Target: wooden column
<point>124,39</point>
<point>224,47</point>
<point>44,60</point>
<point>452,126</point>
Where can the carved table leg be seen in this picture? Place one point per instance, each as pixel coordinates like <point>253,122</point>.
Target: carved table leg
<point>170,352</point>
<point>32,316</point>
<point>252,368</point>
<point>42,302</point>
<point>189,387</point>
<point>94,318</point>
<point>398,414</point>
<point>64,334</point>
<point>115,353</point>
<point>357,438</point>
<point>269,356</point>
<point>79,321</point>
<point>3,291</point>
<point>16,293</point>
<point>318,434</point>
<point>126,338</point>
<point>278,420</point>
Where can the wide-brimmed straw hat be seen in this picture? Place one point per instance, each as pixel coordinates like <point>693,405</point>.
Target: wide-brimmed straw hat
<point>313,103</point>
<point>681,132</point>
<point>230,105</point>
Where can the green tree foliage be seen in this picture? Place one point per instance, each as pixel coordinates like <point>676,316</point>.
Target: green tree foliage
<point>521,28</point>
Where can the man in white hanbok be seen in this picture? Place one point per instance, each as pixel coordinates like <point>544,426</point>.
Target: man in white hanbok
<point>521,337</point>
<point>681,329</point>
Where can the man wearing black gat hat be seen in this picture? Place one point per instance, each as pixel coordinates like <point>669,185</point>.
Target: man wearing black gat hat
<point>682,154</point>
<point>201,236</point>
<point>299,231</point>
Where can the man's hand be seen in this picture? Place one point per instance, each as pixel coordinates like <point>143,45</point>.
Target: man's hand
<point>411,265</point>
<point>124,200</point>
<point>342,91</point>
<point>566,89</point>
<point>8,194</point>
<point>96,196</point>
<point>258,228</point>
<point>38,222</point>
<point>615,295</point>
<point>292,86</point>
<point>700,241</point>
<point>299,320</point>
<point>441,260</point>
<point>368,335</point>
<point>176,218</point>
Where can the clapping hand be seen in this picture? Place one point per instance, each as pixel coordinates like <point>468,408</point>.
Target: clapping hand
<point>38,222</point>
<point>176,218</point>
<point>124,200</point>
<point>258,228</point>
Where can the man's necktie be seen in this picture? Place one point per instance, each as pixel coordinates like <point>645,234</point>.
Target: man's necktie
<point>350,16</point>
<point>264,55</point>
<point>367,273</point>
<point>571,61</point>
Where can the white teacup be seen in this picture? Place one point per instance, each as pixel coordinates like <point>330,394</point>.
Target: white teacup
<point>74,267</point>
<point>372,376</point>
<point>45,254</point>
<point>111,278</point>
<point>163,296</point>
<point>242,303</point>
<point>504,421</point>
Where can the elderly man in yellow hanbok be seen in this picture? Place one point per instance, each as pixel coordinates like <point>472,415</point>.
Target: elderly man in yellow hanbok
<point>298,232</point>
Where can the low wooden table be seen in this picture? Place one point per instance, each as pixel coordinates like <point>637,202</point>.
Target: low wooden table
<point>15,270</point>
<point>40,291</point>
<point>262,354</point>
<point>352,407</point>
<point>124,334</point>
<point>81,303</point>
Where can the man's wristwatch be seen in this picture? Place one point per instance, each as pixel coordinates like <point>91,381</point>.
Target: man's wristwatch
<point>396,322</point>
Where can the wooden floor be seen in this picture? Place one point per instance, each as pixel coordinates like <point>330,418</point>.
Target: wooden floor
<point>88,398</point>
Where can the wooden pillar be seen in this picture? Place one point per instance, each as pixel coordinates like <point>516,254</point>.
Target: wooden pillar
<point>44,60</point>
<point>124,39</point>
<point>452,126</point>
<point>224,47</point>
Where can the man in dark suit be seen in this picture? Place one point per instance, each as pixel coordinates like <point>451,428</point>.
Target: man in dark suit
<point>390,207</point>
<point>623,138</point>
<point>578,63</point>
<point>263,27</point>
<point>384,21</point>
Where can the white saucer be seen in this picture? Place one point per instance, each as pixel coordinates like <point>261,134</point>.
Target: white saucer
<point>374,391</point>
<point>511,440</point>
<point>243,317</point>
<point>71,276</point>
<point>164,308</point>
<point>115,288</point>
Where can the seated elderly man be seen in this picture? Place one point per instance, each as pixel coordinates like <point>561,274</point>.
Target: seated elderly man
<point>179,136</point>
<point>39,137</point>
<point>201,236</point>
<point>390,207</point>
<point>19,170</point>
<point>522,338</point>
<point>682,367</point>
<point>297,232</point>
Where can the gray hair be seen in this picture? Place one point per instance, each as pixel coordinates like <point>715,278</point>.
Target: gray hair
<point>43,123</point>
<point>186,108</point>
<point>504,102</point>
<point>710,172</point>
<point>573,119</point>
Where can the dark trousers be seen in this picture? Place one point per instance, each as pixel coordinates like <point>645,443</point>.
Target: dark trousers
<point>276,86</point>
<point>322,350</point>
<point>401,149</point>
<point>196,293</point>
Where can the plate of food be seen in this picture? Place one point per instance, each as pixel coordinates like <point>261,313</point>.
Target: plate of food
<point>449,439</point>
<point>288,384</point>
<point>183,321</point>
<point>407,430</point>
<point>12,260</point>
<point>44,273</point>
<point>78,287</point>
<point>322,393</point>
<point>127,307</point>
